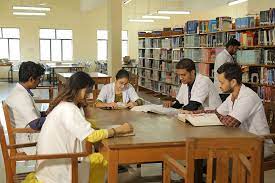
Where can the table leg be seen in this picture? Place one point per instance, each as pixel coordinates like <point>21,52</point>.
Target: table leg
<point>113,166</point>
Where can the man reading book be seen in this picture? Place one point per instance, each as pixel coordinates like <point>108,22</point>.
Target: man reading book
<point>243,108</point>
<point>196,91</point>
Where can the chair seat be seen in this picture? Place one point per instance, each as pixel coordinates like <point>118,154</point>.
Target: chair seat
<point>269,163</point>
<point>20,177</point>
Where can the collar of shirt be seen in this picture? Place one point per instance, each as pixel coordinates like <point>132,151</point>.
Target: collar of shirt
<point>28,90</point>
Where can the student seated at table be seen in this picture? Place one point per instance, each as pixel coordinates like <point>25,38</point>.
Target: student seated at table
<point>119,91</point>
<point>243,108</point>
<point>196,91</point>
<point>21,103</point>
<point>66,129</point>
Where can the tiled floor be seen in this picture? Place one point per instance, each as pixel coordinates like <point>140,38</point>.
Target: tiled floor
<point>148,171</point>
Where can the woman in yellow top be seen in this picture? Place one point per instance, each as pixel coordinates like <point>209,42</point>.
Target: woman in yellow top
<point>120,91</point>
<point>66,128</point>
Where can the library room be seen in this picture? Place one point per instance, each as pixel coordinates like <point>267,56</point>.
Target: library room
<point>137,91</point>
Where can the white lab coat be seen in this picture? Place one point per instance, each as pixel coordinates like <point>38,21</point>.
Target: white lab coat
<point>107,94</point>
<point>203,91</point>
<point>221,58</point>
<point>249,110</point>
<point>64,131</point>
<point>22,111</point>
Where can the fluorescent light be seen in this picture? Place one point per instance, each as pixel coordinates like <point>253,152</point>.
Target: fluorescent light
<point>174,12</point>
<point>31,8</point>
<point>29,13</point>
<point>140,20</point>
<point>236,2</point>
<point>127,1</point>
<point>156,17</point>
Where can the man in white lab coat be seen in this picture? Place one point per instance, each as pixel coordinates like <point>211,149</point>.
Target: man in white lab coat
<point>243,108</point>
<point>21,103</point>
<point>225,56</point>
<point>196,91</point>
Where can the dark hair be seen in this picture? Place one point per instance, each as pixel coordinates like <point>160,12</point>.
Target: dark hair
<point>77,81</point>
<point>30,69</point>
<point>186,64</point>
<point>233,42</point>
<point>122,73</point>
<point>231,71</point>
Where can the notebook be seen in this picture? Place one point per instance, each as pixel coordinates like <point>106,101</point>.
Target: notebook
<point>202,119</point>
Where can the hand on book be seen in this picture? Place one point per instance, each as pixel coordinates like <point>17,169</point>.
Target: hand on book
<point>131,105</point>
<point>167,103</point>
<point>112,105</point>
<point>125,128</point>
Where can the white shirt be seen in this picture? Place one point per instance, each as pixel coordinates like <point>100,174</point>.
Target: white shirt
<point>203,91</point>
<point>63,132</point>
<point>22,111</point>
<point>221,58</point>
<point>107,94</point>
<point>249,110</point>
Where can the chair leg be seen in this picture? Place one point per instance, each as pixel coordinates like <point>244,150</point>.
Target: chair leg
<point>74,170</point>
<point>166,174</point>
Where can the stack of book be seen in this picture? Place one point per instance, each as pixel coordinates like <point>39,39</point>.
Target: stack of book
<point>247,38</point>
<point>208,40</point>
<point>245,22</point>
<point>141,53</point>
<point>156,53</point>
<point>178,42</point>
<point>193,54</point>
<point>267,76</point>
<point>208,55</point>
<point>141,43</point>
<point>223,37</point>
<point>166,54</point>
<point>267,17</point>
<point>148,43</point>
<point>166,43</point>
<point>191,27</point>
<point>265,93</point>
<point>249,57</point>
<point>224,23</point>
<point>156,43</point>
<point>192,41</point>
<point>177,54</point>
<point>141,62</point>
<point>266,37</point>
<point>149,53</point>
<point>268,56</point>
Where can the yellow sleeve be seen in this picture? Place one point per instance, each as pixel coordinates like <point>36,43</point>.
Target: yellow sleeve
<point>97,135</point>
<point>93,122</point>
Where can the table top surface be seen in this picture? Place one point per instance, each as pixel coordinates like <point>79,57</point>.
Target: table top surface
<point>6,64</point>
<point>157,130</point>
<point>92,74</point>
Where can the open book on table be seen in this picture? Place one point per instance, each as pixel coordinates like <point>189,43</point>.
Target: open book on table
<point>202,119</point>
<point>122,135</point>
<point>158,109</point>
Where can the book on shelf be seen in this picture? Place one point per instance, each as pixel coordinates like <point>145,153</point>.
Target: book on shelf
<point>156,75</point>
<point>192,40</point>
<point>224,23</point>
<point>157,43</point>
<point>204,69</point>
<point>268,56</point>
<point>208,55</point>
<point>267,17</point>
<point>156,53</point>
<point>249,57</point>
<point>177,54</point>
<point>206,26</point>
<point>266,37</point>
<point>166,43</point>
<point>141,53</point>
<point>141,62</point>
<point>208,40</point>
<point>245,22</point>
<point>177,42</point>
<point>149,53</point>
<point>148,43</point>
<point>166,54</point>
<point>223,37</point>
<point>212,26</point>
<point>141,43</point>
<point>266,93</point>
<point>191,27</point>
<point>247,38</point>
<point>193,54</point>
<point>179,30</point>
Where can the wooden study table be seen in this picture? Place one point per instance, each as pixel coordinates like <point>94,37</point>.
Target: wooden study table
<point>10,72</point>
<point>70,66</point>
<point>155,135</point>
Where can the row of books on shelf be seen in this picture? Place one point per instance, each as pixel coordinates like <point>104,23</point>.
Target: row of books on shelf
<point>159,87</point>
<point>202,55</point>
<point>261,75</point>
<point>267,17</point>
<point>177,54</point>
<point>257,38</point>
<point>245,22</point>
<point>204,26</point>
<point>259,56</point>
<point>205,69</point>
<point>266,93</point>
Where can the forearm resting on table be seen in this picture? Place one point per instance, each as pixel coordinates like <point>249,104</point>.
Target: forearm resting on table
<point>99,135</point>
<point>100,104</point>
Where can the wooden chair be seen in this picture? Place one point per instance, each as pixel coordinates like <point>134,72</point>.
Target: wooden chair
<point>242,156</point>
<point>134,80</point>
<point>269,162</point>
<point>12,177</point>
<point>12,131</point>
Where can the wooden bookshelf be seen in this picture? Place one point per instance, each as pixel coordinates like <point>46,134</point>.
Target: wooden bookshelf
<point>259,84</point>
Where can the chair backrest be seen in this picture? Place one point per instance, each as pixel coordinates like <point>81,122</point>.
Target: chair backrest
<point>237,159</point>
<point>8,123</point>
<point>134,80</point>
<point>270,115</point>
<point>6,156</point>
